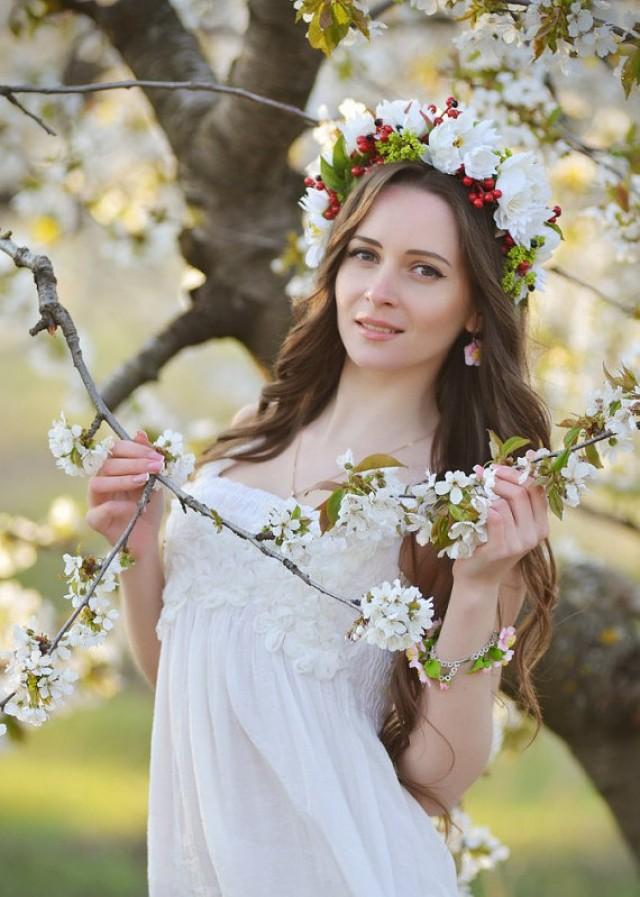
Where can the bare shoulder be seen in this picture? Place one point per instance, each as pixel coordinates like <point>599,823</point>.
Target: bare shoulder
<point>245,415</point>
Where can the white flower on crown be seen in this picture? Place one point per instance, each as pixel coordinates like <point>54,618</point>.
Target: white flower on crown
<point>522,207</point>
<point>406,113</point>
<point>358,122</point>
<point>461,141</point>
<point>316,227</point>
<point>552,240</point>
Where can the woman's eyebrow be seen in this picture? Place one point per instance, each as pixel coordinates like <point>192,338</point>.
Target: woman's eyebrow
<point>408,252</point>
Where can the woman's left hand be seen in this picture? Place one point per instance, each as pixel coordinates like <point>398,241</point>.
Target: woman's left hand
<point>516,523</point>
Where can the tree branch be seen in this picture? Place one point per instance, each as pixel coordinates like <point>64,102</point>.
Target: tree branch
<point>8,90</point>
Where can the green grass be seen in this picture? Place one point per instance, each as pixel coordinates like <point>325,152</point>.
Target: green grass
<point>74,801</point>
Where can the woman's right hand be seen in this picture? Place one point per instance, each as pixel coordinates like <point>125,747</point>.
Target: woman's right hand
<point>114,494</point>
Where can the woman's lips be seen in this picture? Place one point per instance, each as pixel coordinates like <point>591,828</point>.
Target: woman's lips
<point>376,332</point>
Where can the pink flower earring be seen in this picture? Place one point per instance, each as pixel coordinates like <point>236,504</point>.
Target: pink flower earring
<point>473,352</point>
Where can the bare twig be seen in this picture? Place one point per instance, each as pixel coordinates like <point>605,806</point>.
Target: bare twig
<point>6,92</point>
<point>608,517</point>
<point>583,283</point>
<point>9,90</point>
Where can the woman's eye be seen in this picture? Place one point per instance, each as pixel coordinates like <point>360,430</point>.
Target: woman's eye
<point>432,272</point>
<point>355,252</point>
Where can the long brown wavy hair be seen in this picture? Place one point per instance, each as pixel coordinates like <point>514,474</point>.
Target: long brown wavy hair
<point>471,400</point>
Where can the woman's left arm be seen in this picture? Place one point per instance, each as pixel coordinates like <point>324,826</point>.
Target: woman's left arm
<point>490,579</point>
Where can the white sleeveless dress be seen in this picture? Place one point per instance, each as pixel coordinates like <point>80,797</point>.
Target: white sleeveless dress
<point>267,776</point>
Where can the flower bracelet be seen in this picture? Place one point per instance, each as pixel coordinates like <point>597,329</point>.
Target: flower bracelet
<point>496,652</point>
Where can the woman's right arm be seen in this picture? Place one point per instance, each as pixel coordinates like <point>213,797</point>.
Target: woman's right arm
<point>114,493</point>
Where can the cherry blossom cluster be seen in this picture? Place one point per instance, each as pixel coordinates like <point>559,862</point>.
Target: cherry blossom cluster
<point>34,667</point>
<point>38,676</point>
<point>393,616</point>
<point>76,453</point>
<point>545,27</point>
<point>79,454</point>
<point>97,615</point>
<point>455,142</point>
<point>475,849</point>
<point>291,527</point>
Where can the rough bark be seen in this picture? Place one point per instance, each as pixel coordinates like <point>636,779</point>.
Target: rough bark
<point>232,164</point>
<point>588,684</point>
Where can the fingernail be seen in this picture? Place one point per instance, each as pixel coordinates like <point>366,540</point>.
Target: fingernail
<point>141,478</point>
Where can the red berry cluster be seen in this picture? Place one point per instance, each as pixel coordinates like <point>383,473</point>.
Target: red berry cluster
<point>366,146</point>
<point>451,111</point>
<point>557,211</point>
<point>507,243</point>
<point>334,203</point>
<point>481,192</point>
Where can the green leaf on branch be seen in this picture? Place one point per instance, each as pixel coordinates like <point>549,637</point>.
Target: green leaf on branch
<point>561,461</point>
<point>333,505</point>
<point>373,462</point>
<point>572,436</point>
<point>592,455</point>
<point>555,501</point>
<point>513,444</point>
<point>630,74</point>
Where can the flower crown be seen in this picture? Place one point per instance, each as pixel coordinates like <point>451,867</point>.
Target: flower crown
<point>453,142</point>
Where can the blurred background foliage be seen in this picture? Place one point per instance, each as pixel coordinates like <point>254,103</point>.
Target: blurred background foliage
<point>102,202</point>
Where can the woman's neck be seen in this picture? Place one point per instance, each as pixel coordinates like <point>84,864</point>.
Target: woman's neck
<point>377,410</point>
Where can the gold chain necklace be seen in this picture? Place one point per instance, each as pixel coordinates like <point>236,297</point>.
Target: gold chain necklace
<point>295,492</point>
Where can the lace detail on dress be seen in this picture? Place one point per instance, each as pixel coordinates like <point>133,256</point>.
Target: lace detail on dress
<point>218,569</point>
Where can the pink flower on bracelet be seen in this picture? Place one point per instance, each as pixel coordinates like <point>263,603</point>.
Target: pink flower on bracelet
<point>506,639</point>
<point>413,654</point>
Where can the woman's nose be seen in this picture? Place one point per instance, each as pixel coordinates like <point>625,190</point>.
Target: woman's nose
<point>382,291</point>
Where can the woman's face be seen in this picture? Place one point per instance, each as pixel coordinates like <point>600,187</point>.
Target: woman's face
<point>403,272</point>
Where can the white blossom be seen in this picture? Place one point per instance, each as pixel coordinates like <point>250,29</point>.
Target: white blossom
<point>576,472</point>
<point>178,464</point>
<point>293,526</point>
<point>394,616</point>
<point>467,535</point>
<point>463,141</point>
<point>417,509</point>
<point>474,846</point>
<point>403,113</point>
<point>71,454</point>
<point>453,484</point>
<point>39,680</point>
<point>522,207</point>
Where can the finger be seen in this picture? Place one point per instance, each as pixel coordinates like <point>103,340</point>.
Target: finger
<point>101,515</point>
<point>519,499</point>
<point>124,466</point>
<point>505,526</point>
<point>526,530</point>
<point>99,485</point>
<point>540,506</point>
<point>130,448</point>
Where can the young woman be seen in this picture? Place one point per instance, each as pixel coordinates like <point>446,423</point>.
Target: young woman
<point>285,759</point>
